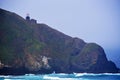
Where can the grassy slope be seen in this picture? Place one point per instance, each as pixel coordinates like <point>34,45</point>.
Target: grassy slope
<point>16,38</point>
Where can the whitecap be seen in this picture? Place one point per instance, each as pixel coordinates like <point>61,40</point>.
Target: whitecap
<point>29,74</point>
<point>80,74</point>
<point>62,74</point>
<point>46,77</point>
<point>50,78</point>
<point>7,79</point>
<point>94,74</point>
<point>111,73</point>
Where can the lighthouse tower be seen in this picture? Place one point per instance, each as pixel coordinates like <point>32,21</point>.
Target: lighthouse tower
<point>28,17</point>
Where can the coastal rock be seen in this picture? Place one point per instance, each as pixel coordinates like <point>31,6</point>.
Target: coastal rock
<point>37,48</point>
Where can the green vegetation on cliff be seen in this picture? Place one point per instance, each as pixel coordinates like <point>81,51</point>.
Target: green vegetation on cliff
<point>16,36</point>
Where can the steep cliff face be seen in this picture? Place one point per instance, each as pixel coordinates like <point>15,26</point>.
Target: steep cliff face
<point>92,59</point>
<point>26,47</point>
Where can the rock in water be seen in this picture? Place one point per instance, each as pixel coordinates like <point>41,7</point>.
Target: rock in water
<point>37,48</point>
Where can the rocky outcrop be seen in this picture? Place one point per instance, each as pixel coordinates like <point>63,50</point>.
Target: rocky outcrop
<point>37,48</point>
<point>92,59</point>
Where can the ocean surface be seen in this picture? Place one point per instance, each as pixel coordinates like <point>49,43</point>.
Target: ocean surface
<point>62,76</point>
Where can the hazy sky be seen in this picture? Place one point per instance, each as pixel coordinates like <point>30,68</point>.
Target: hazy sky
<point>91,20</point>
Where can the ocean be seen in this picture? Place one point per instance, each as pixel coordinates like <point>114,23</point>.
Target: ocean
<point>62,76</point>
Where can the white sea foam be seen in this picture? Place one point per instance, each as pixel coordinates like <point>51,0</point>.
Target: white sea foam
<point>58,78</point>
<point>47,77</point>
<point>50,78</point>
<point>63,76</point>
<point>29,74</point>
<point>7,79</point>
<point>93,74</point>
<point>80,74</point>
<point>111,73</point>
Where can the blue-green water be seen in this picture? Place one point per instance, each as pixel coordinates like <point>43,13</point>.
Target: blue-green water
<point>62,76</point>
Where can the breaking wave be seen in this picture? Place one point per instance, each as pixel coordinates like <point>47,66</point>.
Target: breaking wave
<point>63,76</point>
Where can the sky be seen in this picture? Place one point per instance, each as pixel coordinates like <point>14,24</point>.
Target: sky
<point>95,21</point>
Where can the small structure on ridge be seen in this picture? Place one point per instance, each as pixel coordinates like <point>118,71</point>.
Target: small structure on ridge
<point>32,21</point>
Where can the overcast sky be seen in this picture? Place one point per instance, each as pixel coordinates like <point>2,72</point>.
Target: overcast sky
<point>91,20</point>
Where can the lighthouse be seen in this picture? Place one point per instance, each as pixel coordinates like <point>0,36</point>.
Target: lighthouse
<point>28,17</point>
<point>31,21</point>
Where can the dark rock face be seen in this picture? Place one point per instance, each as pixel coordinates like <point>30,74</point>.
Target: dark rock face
<point>93,59</point>
<point>37,48</point>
